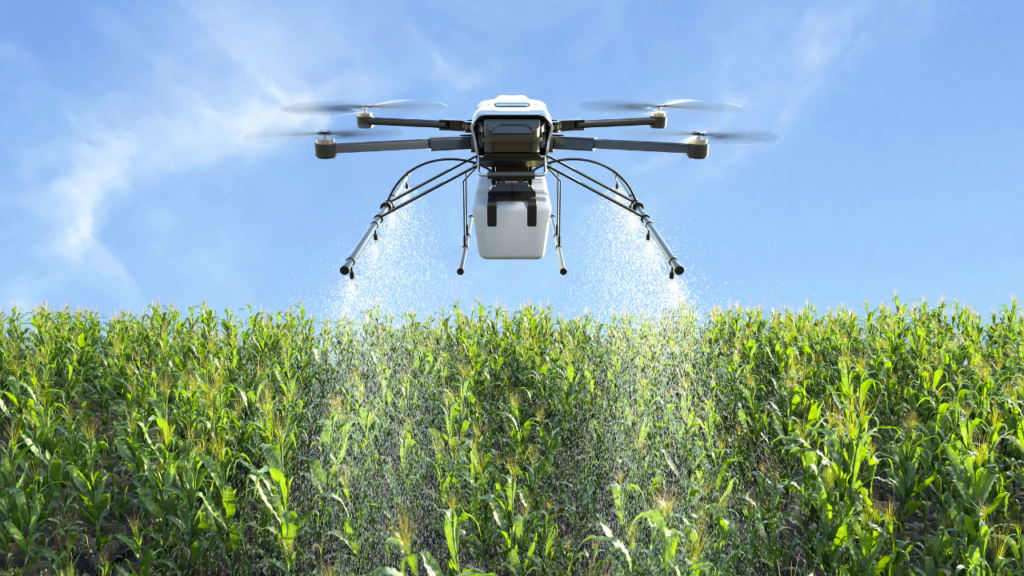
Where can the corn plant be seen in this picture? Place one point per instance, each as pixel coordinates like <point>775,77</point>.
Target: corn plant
<point>487,441</point>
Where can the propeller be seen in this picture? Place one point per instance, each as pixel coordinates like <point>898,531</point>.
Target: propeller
<point>333,108</point>
<point>738,138</point>
<point>343,134</point>
<point>693,105</point>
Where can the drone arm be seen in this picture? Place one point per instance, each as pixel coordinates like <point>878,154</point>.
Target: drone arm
<point>382,146</point>
<point>568,125</point>
<point>456,125</point>
<point>641,146</point>
<point>434,144</point>
<point>573,143</point>
<point>456,143</point>
<point>590,144</point>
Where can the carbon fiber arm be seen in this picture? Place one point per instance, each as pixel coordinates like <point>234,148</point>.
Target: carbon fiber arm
<point>435,144</point>
<point>652,121</point>
<point>589,144</point>
<point>456,125</point>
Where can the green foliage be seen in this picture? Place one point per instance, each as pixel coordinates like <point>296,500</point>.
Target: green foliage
<point>501,442</point>
<point>879,444</point>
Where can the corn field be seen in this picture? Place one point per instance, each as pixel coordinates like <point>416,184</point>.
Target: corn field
<point>491,441</point>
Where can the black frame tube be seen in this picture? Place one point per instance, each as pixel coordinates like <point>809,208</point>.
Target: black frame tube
<point>596,191</point>
<point>465,246</point>
<point>636,207</point>
<point>558,246</point>
<point>389,207</point>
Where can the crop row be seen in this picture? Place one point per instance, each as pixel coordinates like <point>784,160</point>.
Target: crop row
<point>521,442</point>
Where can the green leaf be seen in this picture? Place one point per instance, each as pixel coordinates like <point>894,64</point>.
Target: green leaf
<point>725,495</point>
<point>431,565</point>
<point>123,450</point>
<point>266,501</point>
<point>165,428</point>
<point>814,414</point>
<point>79,479</point>
<point>177,522</point>
<point>625,551</point>
<point>995,504</point>
<point>841,536</point>
<point>451,525</point>
<point>289,530</point>
<point>227,496</point>
<point>17,536</point>
<point>912,507</point>
<point>282,482</point>
<point>151,506</point>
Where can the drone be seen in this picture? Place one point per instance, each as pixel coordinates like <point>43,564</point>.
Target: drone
<point>512,140</point>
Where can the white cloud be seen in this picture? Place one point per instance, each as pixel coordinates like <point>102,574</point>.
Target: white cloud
<point>462,77</point>
<point>826,34</point>
<point>779,56</point>
<point>106,162</point>
<point>182,118</point>
<point>221,71</point>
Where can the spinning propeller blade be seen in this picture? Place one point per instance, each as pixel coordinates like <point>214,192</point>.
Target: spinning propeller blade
<point>332,108</point>
<point>718,138</point>
<point>342,134</point>
<point>694,105</point>
<point>740,138</point>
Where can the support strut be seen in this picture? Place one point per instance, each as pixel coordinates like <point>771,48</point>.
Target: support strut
<point>401,196</point>
<point>556,234</point>
<point>673,262</point>
<point>351,260</point>
<point>634,206</point>
<point>465,246</point>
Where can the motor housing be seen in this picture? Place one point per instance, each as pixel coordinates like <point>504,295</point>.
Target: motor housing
<point>325,148</point>
<point>697,148</point>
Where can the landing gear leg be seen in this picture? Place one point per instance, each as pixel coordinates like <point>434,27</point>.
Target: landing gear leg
<point>556,224</point>
<point>627,201</point>
<point>401,196</point>
<point>465,246</point>
<point>467,225</point>
<point>558,246</point>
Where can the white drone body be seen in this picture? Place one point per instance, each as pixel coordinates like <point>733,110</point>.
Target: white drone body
<point>511,125</point>
<point>511,139</point>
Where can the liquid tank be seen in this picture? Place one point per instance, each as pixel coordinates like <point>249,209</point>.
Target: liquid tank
<point>512,218</point>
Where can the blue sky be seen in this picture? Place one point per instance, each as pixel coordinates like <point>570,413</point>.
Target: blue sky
<point>124,177</point>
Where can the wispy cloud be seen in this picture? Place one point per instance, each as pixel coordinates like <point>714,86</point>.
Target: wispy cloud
<point>826,34</point>
<point>461,76</point>
<point>777,57</point>
<point>220,70</point>
<point>178,119</point>
<point>106,162</point>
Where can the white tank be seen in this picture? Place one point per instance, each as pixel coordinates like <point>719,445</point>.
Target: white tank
<point>511,236</point>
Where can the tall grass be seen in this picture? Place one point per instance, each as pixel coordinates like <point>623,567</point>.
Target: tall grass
<point>512,443</point>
